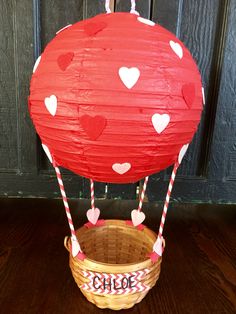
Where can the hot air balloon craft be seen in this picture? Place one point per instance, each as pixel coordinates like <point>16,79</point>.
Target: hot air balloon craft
<point>115,98</point>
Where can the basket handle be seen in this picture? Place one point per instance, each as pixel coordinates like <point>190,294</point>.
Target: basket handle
<point>66,243</point>
<point>132,10</point>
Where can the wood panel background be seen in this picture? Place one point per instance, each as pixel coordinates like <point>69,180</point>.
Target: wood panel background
<point>207,27</point>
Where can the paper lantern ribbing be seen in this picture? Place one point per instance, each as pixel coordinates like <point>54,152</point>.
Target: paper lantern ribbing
<point>115,98</point>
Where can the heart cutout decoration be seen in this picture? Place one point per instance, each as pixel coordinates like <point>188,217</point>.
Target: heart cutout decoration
<point>137,217</point>
<point>93,215</point>
<point>65,60</point>
<point>146,21</point>
<point>93,126</point>
<point>121,168</point>
<point>129,76</point>
<point>63,28</point>
<point>182,153</point>
<point>36,64</point>
<point>188,92</point>
<point>47,152</point>
<point>51,104</point>
<point>178,50</point>
<point>160,122</point>
<point>158,246</point>
<point>92,29</point>
<point>75,247</point>
<point>203,96</point>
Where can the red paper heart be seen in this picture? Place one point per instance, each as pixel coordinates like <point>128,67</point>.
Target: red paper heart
<point>92,29</point>
<point>65,60</point>
<point>188,91</point>
<point>93,126</point>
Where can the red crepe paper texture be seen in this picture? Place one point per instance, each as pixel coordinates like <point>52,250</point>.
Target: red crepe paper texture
<point>115,99</point>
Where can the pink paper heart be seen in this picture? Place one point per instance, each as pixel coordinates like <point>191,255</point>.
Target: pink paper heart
<point>65,60</point>
<point>121,168</point>
<point>158,246</point>
<point>188,91</point>
<point>93,215</point>
<point>75,247</point>
<point>137,217</point>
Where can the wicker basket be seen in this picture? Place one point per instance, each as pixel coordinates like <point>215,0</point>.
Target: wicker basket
<point>115,248</point>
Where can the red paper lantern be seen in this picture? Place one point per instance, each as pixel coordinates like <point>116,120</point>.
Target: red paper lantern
<point>115,98</point>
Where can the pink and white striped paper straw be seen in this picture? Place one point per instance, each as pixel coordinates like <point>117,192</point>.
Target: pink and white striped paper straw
<point>76,250</point>
<point>137,216</point>
<point>143,194</point>
<point>92,194</point>
<point>93,213</point>
<point>167,200</point>
<point>158,245</point>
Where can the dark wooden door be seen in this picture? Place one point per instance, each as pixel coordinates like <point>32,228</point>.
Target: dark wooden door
<point>207,27</point>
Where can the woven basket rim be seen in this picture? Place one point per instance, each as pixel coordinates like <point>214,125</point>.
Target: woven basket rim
<point>112,267</point>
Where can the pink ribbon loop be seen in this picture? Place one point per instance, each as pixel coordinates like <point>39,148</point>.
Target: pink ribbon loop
<point>81,256</point>
<point>154,257</point>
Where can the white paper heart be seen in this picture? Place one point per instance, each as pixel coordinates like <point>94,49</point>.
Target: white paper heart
<point>160,122</point>
<point>129,76</point>
<point>203,96</point>
<point>63,28</point>
<point>177,49</point>
<point>158,246</point>
<point>137,217</point>
<point>146,21</point>
<point>51,104</point>
<point>182,153</point>
<point>121,168</point>
<point>75,247</point>
<point>36,64</point>
<point>47,152</point>
<point>93,215</point>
